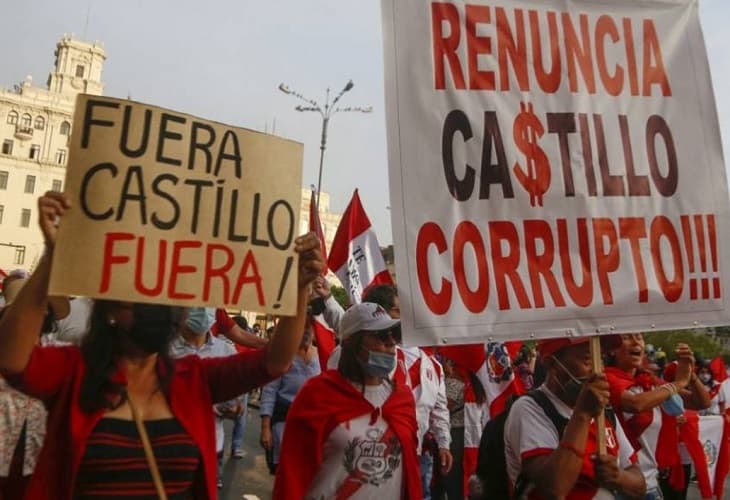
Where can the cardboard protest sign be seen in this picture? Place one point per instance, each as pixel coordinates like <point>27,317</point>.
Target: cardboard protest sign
<point>555,168</point>
<point>172,209</point>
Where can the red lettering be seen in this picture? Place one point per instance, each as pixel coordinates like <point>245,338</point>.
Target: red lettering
<point>631,57</point>
<point>581,295</point>
<point>662,227</point>
<point>437,302</point>
<point>176,269</point>
<point>549,81</point>
<point>578,52</point>
<point>445,47</point>
<point>159,270</point>
<point>634,229</point>
<point>476,45</point>
<point>249,264</point>
<point>606,27</point>
<point>110,258</point>
<point>505,266</point>
<point>511,51</point>
<point>607,260</point>
<point>476,300</point>
<point>653,74</point>
<point>217,272</point>
<point>540,264</point>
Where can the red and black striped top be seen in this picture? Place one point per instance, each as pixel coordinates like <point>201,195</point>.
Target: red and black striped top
<point>114,463</point>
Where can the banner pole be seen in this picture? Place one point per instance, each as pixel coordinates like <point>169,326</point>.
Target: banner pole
<point>597,363</point>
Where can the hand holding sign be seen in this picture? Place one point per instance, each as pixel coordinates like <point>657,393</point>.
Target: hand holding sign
<point>311,262</point>
<point>51,206</point>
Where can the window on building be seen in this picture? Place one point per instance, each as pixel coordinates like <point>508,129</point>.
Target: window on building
<point>80,70</point>
<point>2,212</point>
<point>39,123</point>
<point>25,218</point>
<point>19,255</point>
<point>26,120</point>
<point>65,128</point>
<point>29,184</point>
<point>13,117</point>
<point>35,152</point>
<point>7,147</point>
<point>57,184</point>
<point>3,179</point>
<point>61,156</point>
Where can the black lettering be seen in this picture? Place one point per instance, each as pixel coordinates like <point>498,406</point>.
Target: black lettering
<point>85,186</point>
<point>134,174</point>
<point>563,124</point>
<point>497,173</point>
<point>156,221</point>
<point>460,189</point>
<point>199,184</point>
<point>289,224</point>
<point>223,154</point>
<point>89,120</point>
<point>656,125</point>
<point>124,140</point>
<point>165,135</point>
<point>201,146</point>
<point>255,222</point>
<point>232,236</point>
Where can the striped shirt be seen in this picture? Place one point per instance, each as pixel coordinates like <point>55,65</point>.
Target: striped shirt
<point>114,464</point>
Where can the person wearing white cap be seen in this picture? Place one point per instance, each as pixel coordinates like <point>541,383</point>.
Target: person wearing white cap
<point>352,432</point>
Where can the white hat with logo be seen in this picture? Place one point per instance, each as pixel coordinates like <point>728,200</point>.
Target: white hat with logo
<point>368,316</point>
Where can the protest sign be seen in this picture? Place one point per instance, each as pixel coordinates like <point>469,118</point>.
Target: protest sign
<point>172,209</point>
<point>555,169</point>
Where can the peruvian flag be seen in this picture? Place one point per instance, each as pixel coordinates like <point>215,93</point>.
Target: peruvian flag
<point>492,365</point>
<point>3,275</point>
<point>325,338</point>
<point>355,254</point>
<point>316,226</point>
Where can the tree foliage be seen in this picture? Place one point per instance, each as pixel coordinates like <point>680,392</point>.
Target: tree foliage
<point>702,344</point>
<point>340,296</point>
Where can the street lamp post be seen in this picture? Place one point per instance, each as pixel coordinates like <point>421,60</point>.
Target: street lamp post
<point>326,114</point>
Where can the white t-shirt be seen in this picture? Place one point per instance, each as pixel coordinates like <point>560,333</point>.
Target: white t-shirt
<point>529,432</point>
<point>362,458</point>
<point>648,439</point>
<point>75,326</point>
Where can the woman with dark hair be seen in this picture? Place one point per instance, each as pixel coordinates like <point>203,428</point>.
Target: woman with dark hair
<point>714,389</point>
<point>646,406</point>
<point>122,375</point>
<point>352,431</point>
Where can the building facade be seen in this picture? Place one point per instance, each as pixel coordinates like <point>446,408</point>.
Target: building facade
<point>35,126</point>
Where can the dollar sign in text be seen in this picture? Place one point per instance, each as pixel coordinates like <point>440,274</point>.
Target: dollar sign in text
<point>527,129</point>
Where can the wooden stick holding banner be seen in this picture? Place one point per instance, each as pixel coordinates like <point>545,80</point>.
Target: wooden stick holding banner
<point>597,364</point>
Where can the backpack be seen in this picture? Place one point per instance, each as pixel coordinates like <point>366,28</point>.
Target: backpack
<point>491,461</point>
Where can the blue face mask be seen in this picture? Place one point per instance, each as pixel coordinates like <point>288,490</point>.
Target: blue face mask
<point>200,319</point>
<point>674,406</point>
<point>380,364</point>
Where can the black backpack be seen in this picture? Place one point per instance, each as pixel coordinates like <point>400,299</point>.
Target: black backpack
<point>491,461</point>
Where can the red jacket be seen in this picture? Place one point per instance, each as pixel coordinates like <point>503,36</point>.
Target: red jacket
<point>54,375</point>
<point>322,404</point>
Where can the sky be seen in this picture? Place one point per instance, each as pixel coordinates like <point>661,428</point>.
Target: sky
<point>224,59</point>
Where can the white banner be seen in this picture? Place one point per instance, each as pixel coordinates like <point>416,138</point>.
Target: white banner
<point>555,168</point>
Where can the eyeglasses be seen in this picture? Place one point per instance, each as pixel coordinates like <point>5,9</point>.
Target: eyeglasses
<point>383,336</point>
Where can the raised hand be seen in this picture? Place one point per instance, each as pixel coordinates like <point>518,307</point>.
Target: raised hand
<point>51,207</point>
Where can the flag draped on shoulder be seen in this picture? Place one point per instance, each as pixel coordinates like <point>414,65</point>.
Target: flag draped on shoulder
<point>355,254</point>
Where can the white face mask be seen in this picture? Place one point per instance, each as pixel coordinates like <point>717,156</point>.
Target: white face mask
<point>705,377</point>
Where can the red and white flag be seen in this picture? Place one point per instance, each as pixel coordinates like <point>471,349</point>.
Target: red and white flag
<point>355,254</point>
<point>324,336</point>
<point>316,226</point>
<point>492,365</point>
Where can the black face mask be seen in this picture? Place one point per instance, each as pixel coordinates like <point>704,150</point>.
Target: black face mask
<point>574,384</point>
<point>316,306</point>
<point>154,326</point>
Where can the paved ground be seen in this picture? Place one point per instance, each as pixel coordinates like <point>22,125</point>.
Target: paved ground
<point>250,476</point>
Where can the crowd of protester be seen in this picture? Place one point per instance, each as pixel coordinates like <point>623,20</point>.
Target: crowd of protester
<point>104,399</point>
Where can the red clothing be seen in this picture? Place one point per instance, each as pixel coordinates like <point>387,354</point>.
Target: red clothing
<point>224,324</point>
<point>321,405</point>
<point>54,375</point>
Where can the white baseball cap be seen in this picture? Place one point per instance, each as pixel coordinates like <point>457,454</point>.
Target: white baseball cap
<point>368,317</point>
